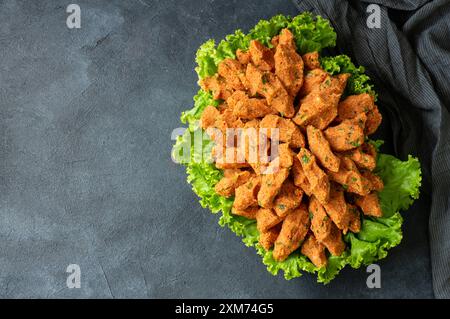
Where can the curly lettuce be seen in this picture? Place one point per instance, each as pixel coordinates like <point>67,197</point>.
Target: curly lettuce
<point>358,82</point>
<point>311,34</point>
<point>402,179</point>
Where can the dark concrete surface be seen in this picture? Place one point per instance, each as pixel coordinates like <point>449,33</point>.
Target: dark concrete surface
<point>85,170</point>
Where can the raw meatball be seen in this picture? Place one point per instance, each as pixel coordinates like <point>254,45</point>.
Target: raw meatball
<point>287,130</point>
<point>293,231</point>
<point>231,180</point>
<point>354,105</point>
<point>246,194</point>
<point>268,238</point>
<point>287,199</point>
<point>311,60</point>
<point>374,119</point>
<point>315,251</point>
<point>288,64</point>
<point>231,70</point>
<point>320,184</point>
<point>270,186</point>
<point>269,86</point>
<point>320,147</point>
<point>324,229</point>
<point>370,205</point>
<point>261,56</point>
<point>266,219</point>
<point>249,212</point>
<point>350,178</point>
<point>347,135</point>
<point>300,179</point>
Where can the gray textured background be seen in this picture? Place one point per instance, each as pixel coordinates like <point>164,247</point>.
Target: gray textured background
<point>85,169</point>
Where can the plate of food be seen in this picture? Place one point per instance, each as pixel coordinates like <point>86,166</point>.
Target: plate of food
<point>319,194</point>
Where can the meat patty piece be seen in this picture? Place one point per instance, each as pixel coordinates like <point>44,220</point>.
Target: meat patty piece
<point>353,105</point>
<point>248,108</point>
<point>293,230</point>
<point>320,147</point>
<point>312,80</point>
<point>362,159</point>
<point>324,229</point>
<point>287,130</point>
<point>287,199</point>
<point>217,85</point>
<point>355,221</point>
<point>347,135</point>
<point>350,178</point>
<point>337,209</point>
<point>232,70</point>
<point>312,106</point>
<point>232,179</point>
<point>321,224</point>
<point>249,212</point>
<point>375,180</point>
<point>246,194</point>
<point>266,219</point>
<point>243,57</point>
<point>319,108</point>
<point>300,179</point>
<point>288,63</point>
<point>261,56</point>
<point>285,155</point>
<point>270,186</point>
<point>229,157</point>
<point>374,119</point>
<point>269,86</point>
<point>268,238</point>
<point>209,116</point>
<point>311,60</point>
<point>334,242</point>
<point>254,143</point>
<point>318,180</point>
<point>370,205</point>
<point>315,251</point>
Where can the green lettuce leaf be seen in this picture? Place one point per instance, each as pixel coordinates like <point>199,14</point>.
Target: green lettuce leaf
<point>402,179</point>
<point>357,83</point>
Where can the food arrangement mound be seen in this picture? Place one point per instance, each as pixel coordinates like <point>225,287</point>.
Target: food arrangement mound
<point>318,196</point>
